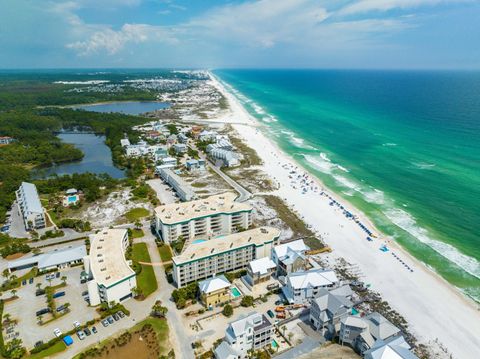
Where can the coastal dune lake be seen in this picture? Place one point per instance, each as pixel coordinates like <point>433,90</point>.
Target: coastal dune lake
<point>126,107</point>
<point>97,157</point>
<point>402,146</point>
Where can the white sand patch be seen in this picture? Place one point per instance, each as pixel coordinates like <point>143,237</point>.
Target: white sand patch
<point>106,213</point>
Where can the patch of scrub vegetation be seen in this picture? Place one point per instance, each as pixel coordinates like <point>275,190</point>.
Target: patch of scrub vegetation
<point>296,224</point>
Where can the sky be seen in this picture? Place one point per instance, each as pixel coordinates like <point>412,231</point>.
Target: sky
<point>367,34</point>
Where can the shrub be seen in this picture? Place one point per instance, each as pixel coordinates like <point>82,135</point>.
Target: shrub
<point>227,310</point>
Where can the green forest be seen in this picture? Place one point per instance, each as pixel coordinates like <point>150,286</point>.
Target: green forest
<point>25,116</point>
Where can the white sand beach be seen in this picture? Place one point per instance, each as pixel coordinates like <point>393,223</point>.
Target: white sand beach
<point>432,307</point>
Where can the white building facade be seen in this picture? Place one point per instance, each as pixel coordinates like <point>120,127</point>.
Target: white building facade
<point>203,218</point>
<point>30,206</point>
<point>112,277</point>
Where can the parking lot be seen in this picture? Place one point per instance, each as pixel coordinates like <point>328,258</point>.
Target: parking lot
<point>24,309</point>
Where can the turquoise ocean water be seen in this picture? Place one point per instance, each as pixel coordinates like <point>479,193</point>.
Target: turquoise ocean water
<point>403,147</point>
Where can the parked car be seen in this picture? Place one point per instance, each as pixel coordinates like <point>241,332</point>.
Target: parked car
<point>87,332</point>
<point>57,332</point>
<point>30,281</point>
<point>121,314</point>
<point>60,308</point>
<point>37,344</point>
<point>76,324</point>
<point>24,282</point>
<point>81,335</point>
<point>105,323</point>
<point>57,275</point>
<point>59,294</point>
<point>84,293</point>
<point>279,302</point>
<point>94,330</point>
<point>110,319</point>
<point>116,317</point>
<point>42,311</point>
<point>270,314</point>
<point>40,292</point>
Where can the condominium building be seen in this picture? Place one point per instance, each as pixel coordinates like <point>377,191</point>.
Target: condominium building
<point>112,277</point>
<point>207,258</point>
<point>30,206</point>
<point>205,218</point>
<point>252,332</point>
<point>183,190</point>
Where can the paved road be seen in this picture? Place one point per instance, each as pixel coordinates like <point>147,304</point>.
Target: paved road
<point>243,193</point>
<point>180,341</point>
<point>70,235</point>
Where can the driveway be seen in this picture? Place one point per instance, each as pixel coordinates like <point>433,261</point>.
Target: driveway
<point>164,193</point>
<point>17,227</point>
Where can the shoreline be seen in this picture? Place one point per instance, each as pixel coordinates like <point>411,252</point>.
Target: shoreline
<point>422,297</point>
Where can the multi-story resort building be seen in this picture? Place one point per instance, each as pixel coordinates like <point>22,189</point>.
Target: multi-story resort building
<point>205,218</point>
<point>30,206</point>
<point>183,190</point>
<point>233,252</point>
<point>112,277</point>
<point>252,332</point>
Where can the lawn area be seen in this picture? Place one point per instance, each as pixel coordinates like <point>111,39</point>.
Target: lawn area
<point>54,349</point>
<point>165,252</point>
<point>137,233</point>
<point>146,281</point>
<point>137,213</point>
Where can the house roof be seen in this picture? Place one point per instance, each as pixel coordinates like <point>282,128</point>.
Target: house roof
<point>354,321</point>
<point>380,327</point>
<point>52,258</point>
<point>71,191</point>
<point>331,302</point>
<point>261,265</point>
<point>225,351</point>
<point>239,326</point>
<point>213,284</point>
<point>282,249</point>
<point>312,278</point>
<point>107,258</point>
<point>394,348</point>
<point>344,291</point>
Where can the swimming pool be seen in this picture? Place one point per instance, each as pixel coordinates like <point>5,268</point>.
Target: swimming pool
<point>235,292</point>
<point>196,241</point>
<point>274,344</point>
<point>71,199</point>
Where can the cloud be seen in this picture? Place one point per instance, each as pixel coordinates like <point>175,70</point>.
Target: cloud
<point>113,41</point>
<point>365,6</point>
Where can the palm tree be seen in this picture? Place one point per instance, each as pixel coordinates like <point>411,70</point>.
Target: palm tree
<point>6,317</point>
<point>64,280</point>
<point>14,293</point>
<point>67,307</point>
<point>5,273</point>
<point>40,317</point>
<point>138,224</point>
<point>39,285</point>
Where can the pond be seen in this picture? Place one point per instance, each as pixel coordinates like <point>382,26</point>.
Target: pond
<point>97,157</point>
<point>125,107</point>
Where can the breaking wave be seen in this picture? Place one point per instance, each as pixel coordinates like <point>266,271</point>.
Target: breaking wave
<point>405,221</point>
